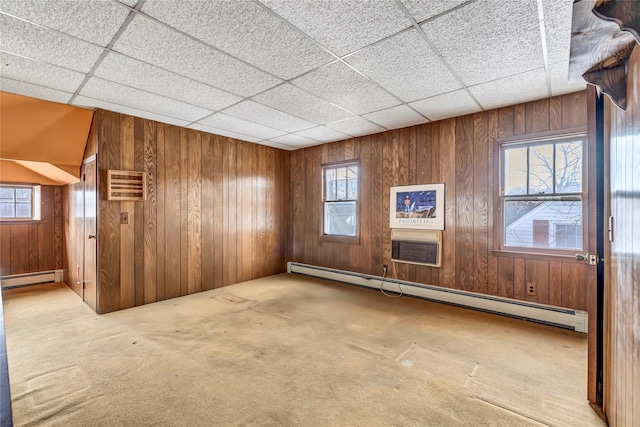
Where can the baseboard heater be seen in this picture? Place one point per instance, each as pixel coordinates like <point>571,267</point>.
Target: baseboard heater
<point>540,313</point>
<point>17,280</point>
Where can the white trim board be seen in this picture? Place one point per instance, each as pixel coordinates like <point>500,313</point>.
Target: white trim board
<point>540,313</point>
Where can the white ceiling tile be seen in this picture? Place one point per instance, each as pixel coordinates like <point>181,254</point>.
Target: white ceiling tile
<point>323,134</point>
<point>425,9</point>
<point>457,103</point>
<point>209,129</point>
<point>559,76</point>
<point>39,73</point>
<point>245,30</point>
<point>130,3</point>
<point>156,44</point>
<point>32,41</point>
<point>294,141</point>
<point>342,26</point>
<point>240,126</point>
<point>82,101</point>
<point>27,89</point>
<point>557,27</point>
<point>128,71</point>
<point>396,117</point>
<point>95,21</point>
<point>356,126</point>
<point>512,90</point>
<point>123,95</point>
<point>299,103</point>
<point>488,39</point>
<point>406,66</point>
<point>252,111</point>
<point>339,84</point>
<point>273,144</point>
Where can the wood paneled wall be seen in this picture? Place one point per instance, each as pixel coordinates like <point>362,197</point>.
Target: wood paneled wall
<point>29,247</point>
<point>216,212</point>
<point>73,208</point>
<point>458,152</point>
<point>622,260</point>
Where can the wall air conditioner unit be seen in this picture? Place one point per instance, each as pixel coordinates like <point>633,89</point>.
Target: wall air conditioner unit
<point>422,247</point>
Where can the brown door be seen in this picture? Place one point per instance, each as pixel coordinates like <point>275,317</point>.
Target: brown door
<point>89,294</point>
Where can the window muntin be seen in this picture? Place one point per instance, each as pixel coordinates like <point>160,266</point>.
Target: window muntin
<point>340,197</point>
<point>542,194</point>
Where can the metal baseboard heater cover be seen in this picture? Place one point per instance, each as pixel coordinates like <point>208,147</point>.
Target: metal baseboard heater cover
<point>540,313</point>
<point>16,280</point>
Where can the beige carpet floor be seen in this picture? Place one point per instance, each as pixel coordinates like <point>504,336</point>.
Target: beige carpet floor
<point>287,351</point>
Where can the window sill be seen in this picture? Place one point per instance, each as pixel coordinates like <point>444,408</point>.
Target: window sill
<point>350,240</point>
<point>19,221</point>
<point>562,257</point>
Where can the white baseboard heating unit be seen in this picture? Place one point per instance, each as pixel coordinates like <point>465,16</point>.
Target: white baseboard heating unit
<point>540,313</point>
<point>16,280</point>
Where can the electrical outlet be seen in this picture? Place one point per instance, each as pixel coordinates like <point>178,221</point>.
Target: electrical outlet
<point>384,268</point>
<point>531,289</point>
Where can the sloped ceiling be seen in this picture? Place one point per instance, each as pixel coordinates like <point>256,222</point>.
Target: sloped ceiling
<point>40,141</point>
<point>286,73</point>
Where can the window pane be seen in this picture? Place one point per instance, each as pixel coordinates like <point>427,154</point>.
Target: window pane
<point>535,224</point>
<point>541,169</point>
<point>515,171</point>
<point>352,182</point>
<point>23,210</point>
<point>330,179</point>
<point>23,195</point>
<point>6,194</point>
<point>341,176</point>
<point>569,167</point>
<point>340,218</point>
<point>7,210</point>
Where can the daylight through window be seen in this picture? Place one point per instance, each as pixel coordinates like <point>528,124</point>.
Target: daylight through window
<point>542,193</point>
<point>18,202</point>
<point>340,197</point>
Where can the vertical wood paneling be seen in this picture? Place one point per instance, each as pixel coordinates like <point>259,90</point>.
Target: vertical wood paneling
<point>127,232</point>
<point>160,213</point>
<point>480,228</point>
<point>464,204</point>
<point>58,228</point>
<point>207,204</point>
<point>150,213</point>
<point>622,310</point>
<point>207,220</point>
<point>138,216</point>
<point>19,254</point>
<point>172,212</point>
<point>460,153</point>
<point>194,209</point>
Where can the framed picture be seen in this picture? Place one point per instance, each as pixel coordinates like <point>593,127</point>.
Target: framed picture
<point>417,206</point>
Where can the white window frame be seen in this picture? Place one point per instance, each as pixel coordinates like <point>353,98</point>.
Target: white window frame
<point>503,198</point>
<point>328,200</point>
<point>35,202</point>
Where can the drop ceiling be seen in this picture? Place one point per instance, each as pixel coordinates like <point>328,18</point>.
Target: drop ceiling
<point>284,73</point>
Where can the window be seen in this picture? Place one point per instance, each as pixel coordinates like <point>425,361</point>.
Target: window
<point>19,202</point>
<point>541,194</point>
<point>340,199</point>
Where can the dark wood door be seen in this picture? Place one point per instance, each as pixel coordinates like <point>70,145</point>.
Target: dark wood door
<point>89,294</point>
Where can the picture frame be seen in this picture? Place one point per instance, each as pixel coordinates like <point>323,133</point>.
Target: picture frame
<point>417,206</point>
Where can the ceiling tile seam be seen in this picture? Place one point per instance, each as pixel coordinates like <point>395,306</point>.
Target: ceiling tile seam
<point>220,129</point>
<point>123,105</point>
<point>337,57</point>
<point>438,53</point>
<point>212,111</point>
<point>106,50</point>
<point>197,122</point>
<point>36,84</point>
<point>545,52</point>
<point>446,12</point>
<point>109,47</point>
<point>197,40</point>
